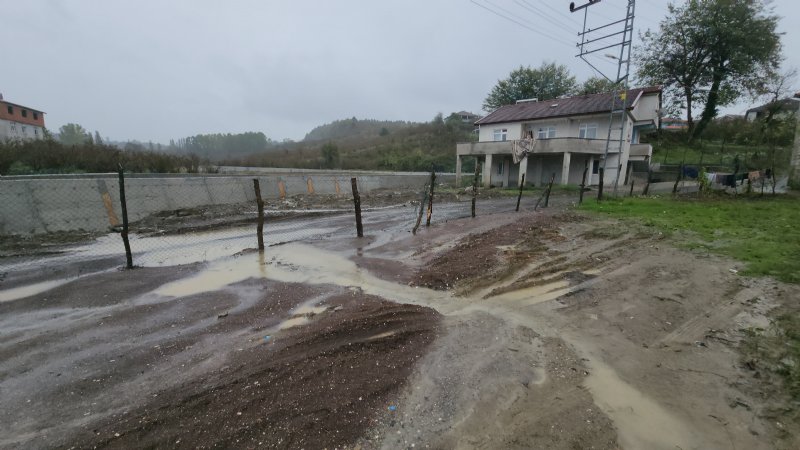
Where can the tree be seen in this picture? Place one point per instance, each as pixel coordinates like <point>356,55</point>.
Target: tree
<point>596,85</point>
<point>97,139</point>
<point>708,53</point>
<point>72,134</point>
<point>330,155</point>
<point>549,81</point>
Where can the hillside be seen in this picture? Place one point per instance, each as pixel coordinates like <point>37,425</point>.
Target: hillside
<point>350,128</point>
<point>370,145</point>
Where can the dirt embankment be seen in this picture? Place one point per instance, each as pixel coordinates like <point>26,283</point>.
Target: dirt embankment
<point>102,362</point>
<point>662,330</point>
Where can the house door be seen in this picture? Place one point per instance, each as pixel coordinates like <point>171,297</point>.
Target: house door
<point>594,180</point>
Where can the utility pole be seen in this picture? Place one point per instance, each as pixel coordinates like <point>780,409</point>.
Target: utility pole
<point>594,40</point>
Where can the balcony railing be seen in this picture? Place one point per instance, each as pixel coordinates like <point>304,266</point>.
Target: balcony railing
<point>541,146</point>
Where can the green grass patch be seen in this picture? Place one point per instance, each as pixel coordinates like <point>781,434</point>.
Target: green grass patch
<point>763,232</point>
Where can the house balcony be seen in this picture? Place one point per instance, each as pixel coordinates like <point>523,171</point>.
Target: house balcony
<point>641,152</point>
<point>542,146</point>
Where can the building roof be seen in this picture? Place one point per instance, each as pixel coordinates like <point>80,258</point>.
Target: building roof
<point>569,106</point>
<point>22,106</point>
<point>786,104</point>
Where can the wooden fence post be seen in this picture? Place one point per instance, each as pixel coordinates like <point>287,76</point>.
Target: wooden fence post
<point>421,209</point>
<point>260,204</point>
<point>475,185</point>
<point>430,199</point>
<point>521,185</point>
<point>549,189</point>
<point>583,182</point>
<point>124,234</point>
<point>357,203</point>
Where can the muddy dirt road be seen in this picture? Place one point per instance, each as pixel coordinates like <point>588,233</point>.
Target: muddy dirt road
<point>546,330</point>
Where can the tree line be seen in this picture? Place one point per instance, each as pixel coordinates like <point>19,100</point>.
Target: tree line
<point>41,156</point>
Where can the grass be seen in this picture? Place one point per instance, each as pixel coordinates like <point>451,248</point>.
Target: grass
<point>763,232</point>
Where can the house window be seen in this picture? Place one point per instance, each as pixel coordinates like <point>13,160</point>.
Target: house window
<point>588,131</point>
<point>23,129</point>
<point>546,132</point>
<point>500,165</point>
<point>500,134</point>
<point>36,131</point>
<point>24,113</point>
<point>596,167</point>
<point>13,127</point>
<point>10,109</point>
<point>35,116</point>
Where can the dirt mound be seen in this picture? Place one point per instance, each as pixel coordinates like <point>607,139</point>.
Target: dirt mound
<point>481,259</point>
<point>314,386</point>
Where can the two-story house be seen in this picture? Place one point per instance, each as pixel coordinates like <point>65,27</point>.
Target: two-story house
<point>20,122</point>
<point>562,137</point>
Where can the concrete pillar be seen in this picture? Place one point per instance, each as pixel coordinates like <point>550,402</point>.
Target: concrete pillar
<point>537,171</point>
<point>565,168</point>
<point>506,171</point>
<point>523,168</point>
<point>458,171</point>
<point>487,171</point>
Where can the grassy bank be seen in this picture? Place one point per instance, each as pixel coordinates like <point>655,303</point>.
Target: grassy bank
<point>763,232</point>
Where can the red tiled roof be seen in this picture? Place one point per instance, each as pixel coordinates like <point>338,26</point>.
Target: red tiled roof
<point>570,106</point>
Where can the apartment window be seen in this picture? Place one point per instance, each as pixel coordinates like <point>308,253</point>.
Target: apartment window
<point>546,132</point>
<point>588,131</point>
<point>500,165</point>
<point>35,116</point>
<point>10,109</point>
<point>596,167</point>
<point>500,134</point>
<point>24,113</point>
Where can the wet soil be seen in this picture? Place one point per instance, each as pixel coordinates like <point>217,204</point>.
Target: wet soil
<point>530,330</point>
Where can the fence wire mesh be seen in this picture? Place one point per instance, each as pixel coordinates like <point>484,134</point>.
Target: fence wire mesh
<point>65,227</point>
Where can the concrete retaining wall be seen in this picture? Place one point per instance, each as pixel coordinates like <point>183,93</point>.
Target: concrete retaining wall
<point>49,203</point>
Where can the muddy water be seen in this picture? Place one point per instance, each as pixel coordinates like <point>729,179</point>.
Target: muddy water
<point>641,422</point>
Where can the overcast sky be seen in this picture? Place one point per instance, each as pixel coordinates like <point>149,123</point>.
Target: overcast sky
<point>156,69</point>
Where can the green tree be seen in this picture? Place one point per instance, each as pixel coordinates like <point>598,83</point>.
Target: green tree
<point>708,53</point>
<point>97,139</point>
<point>330,155</point>
<point>72,134</point>
<point>549,81</point>
<point>596,85</point>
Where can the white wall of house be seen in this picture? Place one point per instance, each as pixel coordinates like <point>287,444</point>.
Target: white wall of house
<point>15,130</point>
<point>513,130</point>
<point>646,108</point>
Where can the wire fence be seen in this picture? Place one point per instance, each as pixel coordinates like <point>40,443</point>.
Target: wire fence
<point>61,228</point>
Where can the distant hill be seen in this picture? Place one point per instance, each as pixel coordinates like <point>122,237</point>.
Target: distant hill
<point>370,145</point>
<point>350,128</point>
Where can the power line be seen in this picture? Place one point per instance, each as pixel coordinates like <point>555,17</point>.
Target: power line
<point>523,25</point>
<point>530,8</point>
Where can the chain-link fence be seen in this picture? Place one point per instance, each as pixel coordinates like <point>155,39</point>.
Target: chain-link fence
<point>62,227</point>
